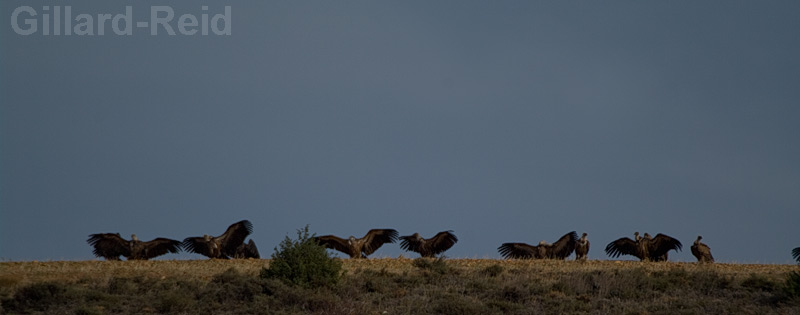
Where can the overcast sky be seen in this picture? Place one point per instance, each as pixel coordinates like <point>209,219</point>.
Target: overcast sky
<point>504,121</point>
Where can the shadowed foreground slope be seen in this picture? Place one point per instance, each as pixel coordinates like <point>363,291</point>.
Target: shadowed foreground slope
<point>403,286</point>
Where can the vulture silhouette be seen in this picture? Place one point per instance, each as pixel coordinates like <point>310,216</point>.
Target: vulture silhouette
<point>111,246</point>
<point>224,246</point>
<point>558,250</point>
<point>581,248</point>
<point>431,247</point>
<point>645,248</point>
<point>359,247</point>
<point>796,254</point>
<point>701,251</point>
<point>247,250</point>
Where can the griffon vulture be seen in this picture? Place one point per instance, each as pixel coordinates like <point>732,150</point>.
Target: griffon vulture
<point>428,247</point>
<point>359,247</point>
<point>247,250</point>
<point>581,248</point>
<point>645,248</point>
<point>701,251</point>
<point>111,245</point>
<point>224,246</point>
<point>558,250</point>
<point>796,254</point>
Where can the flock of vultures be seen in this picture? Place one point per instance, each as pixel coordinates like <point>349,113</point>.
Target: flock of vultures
<point>231,244</point>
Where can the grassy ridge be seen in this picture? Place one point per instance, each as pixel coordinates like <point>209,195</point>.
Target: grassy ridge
<point>406,286</point>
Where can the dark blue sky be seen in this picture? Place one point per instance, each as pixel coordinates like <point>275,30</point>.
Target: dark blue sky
<point>505,121</point>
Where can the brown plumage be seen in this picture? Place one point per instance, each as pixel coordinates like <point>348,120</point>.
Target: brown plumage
<point>111,246</point>
<point>359,247</point>
<point>581,248</point>
<point>558,250</point>
<point>247,250</point>
<point>431,247</point>
<point>645,248</point>
<point>701,251</point>
<point>223,246</point>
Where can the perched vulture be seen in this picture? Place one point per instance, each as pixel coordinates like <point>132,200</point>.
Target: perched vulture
<point>645,248</point>
<point>247,250</point>
<point>428,247</point>
<point>796,254</point>
<point>701,251</point>
<point>581,248</point>
<point>359,247</point>
<point>558,250</point>
<point>111,245</point>
<point>224,246</point>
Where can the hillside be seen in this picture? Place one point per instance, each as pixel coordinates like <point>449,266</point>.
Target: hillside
<point>399,286</point>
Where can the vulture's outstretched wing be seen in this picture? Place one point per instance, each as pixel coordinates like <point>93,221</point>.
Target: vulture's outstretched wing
<point>200,246</point>
<point>158,247</point>
<point>247,250</point>
<point>518,250</point>
<point>661,244</point>
<point>622,246</point>
<point>564,246</point>
<point>375,238</point>
<point>234,236</point>
<point>337,243</point>
<point>411,243</point>
<point>442,241</point>
<point>796,254</point>
<point>109,245</point>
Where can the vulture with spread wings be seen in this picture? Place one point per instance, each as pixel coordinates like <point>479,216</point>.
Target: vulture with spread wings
<point>701,251</point>
<point>796,254</point>
<point>359,247</point>
<point>224,246</point>
<point>645,248</point>
<point>431,247</point>
<point>558,250</point>
<point>111,246</point>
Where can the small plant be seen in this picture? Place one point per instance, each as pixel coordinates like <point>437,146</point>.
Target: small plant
<point>493,270</point>
<point>792,285</point>
<point>758,282</point>
<point>437,265</point>
<point>303,262</point>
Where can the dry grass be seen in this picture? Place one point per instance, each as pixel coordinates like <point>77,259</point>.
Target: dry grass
<point>402,285</point>
<point>21,273</point>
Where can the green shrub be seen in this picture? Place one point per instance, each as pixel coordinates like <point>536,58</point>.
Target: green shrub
<point>233,286</point>
<point>303,262</point>
<point>172,302</point>
<point>448,303</point>
<point>37,296</point>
